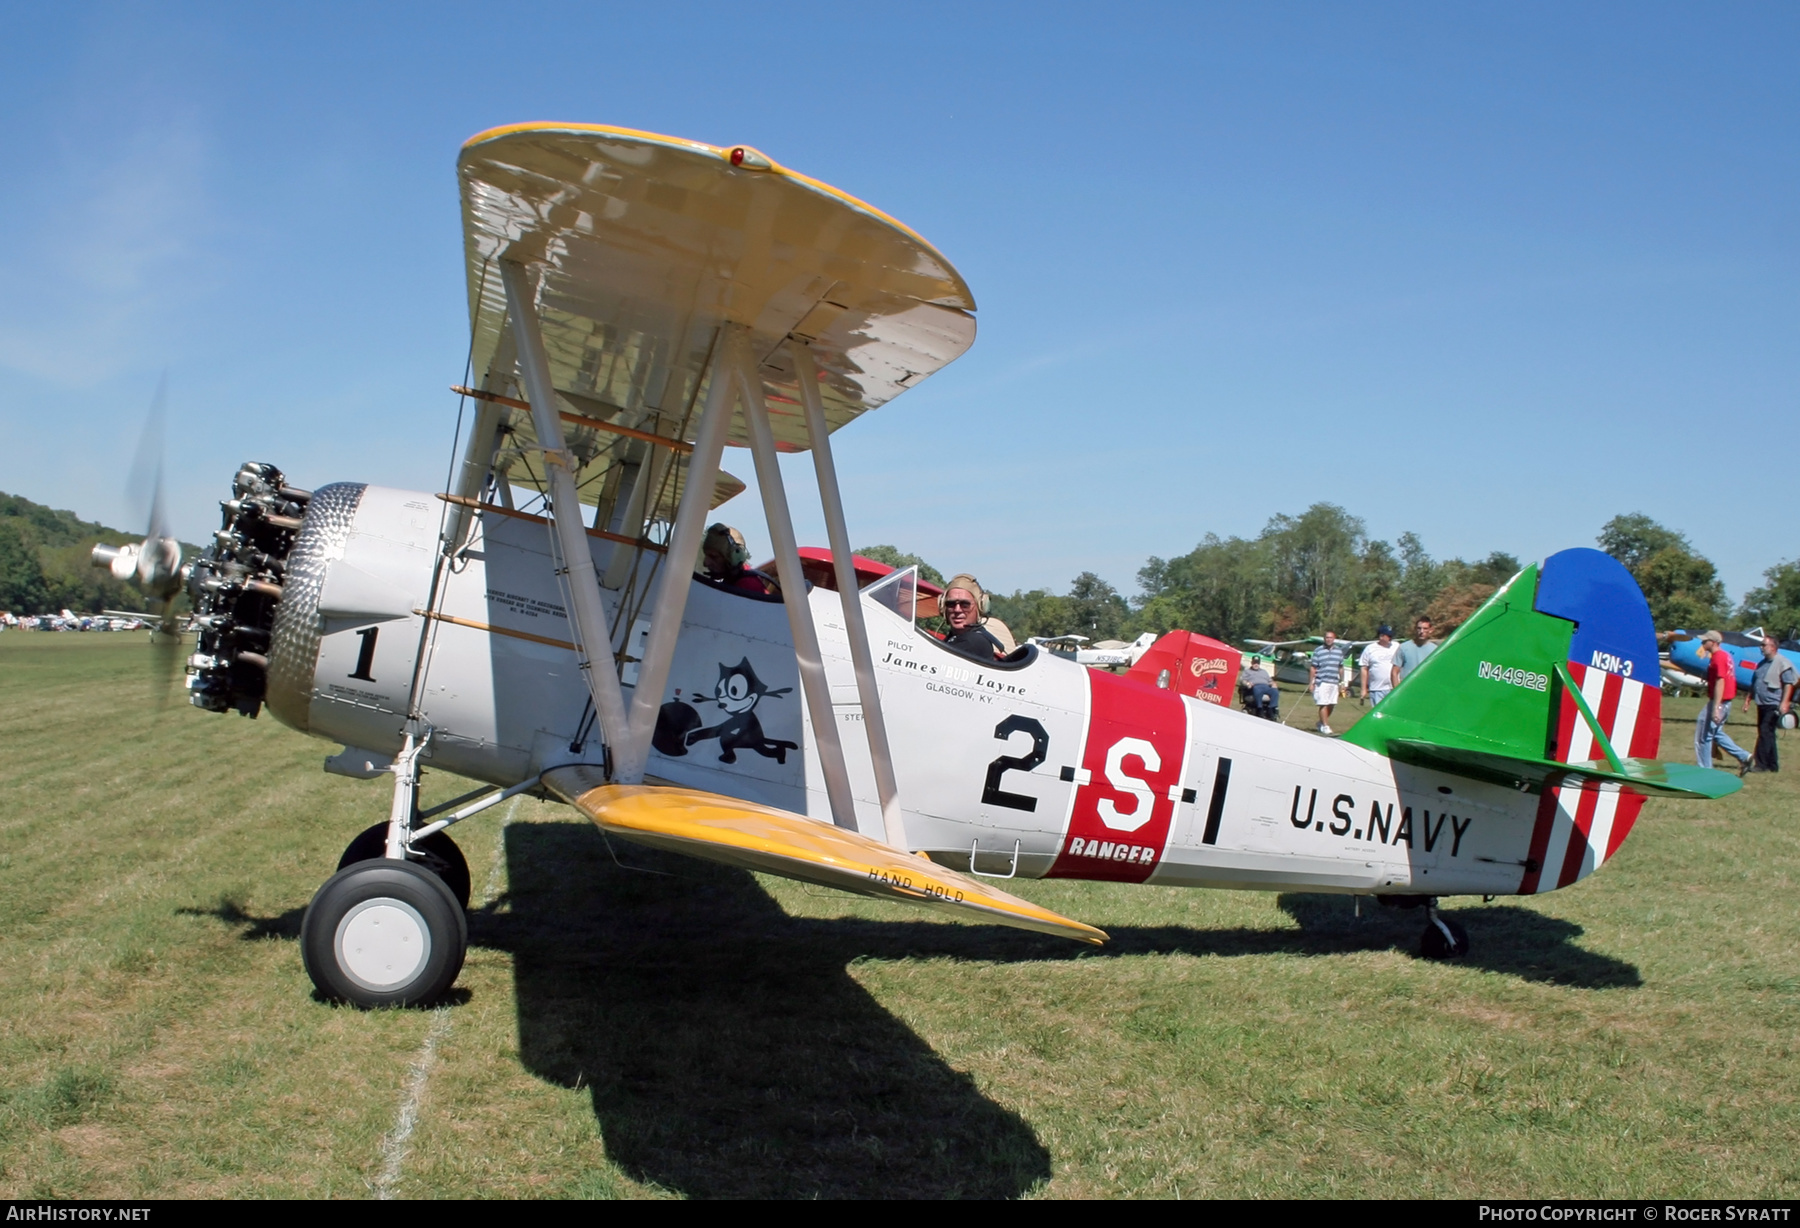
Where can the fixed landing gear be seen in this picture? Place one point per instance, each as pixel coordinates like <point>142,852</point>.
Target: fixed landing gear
<point>384,932</point>
<point>388,929</point>
<point>1443,938</point>
<point>436,852</point>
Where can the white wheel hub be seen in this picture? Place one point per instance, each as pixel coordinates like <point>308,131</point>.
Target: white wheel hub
<point>382,944</point>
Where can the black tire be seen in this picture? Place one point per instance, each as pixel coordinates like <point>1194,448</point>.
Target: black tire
<point>383,933</point>
<point>436,852</point>
<point>1444,939</point>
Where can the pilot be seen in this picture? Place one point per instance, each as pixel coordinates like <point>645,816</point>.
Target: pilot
<point>965,609</point>
<point>723,556</point>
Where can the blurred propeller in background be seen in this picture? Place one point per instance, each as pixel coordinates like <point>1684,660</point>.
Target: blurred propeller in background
<point>154,565</point>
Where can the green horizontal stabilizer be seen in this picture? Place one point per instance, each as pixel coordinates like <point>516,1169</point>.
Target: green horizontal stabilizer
<point>1648,776</point>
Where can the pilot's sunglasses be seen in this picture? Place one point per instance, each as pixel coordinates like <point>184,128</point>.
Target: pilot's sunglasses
<point>958,605</point>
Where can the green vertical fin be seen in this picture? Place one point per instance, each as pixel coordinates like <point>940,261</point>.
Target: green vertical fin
<point>1484,705</point>
<point>1452,700</point>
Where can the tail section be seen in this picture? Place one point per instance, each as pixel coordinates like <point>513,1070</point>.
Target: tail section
<point>1191,664</point>
<point>1552,687</point>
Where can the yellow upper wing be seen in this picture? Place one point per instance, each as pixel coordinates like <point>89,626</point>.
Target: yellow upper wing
<point>647,244</point>
<point>779,842</point>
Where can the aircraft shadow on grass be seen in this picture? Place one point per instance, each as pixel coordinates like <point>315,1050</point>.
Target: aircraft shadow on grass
<point>256,929</point>
<point>729,1053</point>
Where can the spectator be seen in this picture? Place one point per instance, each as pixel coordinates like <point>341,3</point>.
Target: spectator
<point>1378,665</point>
<point>1721,689</point>
<point>1325,673</point>
<point>1414,652</point>
<point>1772,687</point>
<point>1257,691</point>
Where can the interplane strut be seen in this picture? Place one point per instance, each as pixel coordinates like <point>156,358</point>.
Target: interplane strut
<point>735,382</point>
<point>586,613</point>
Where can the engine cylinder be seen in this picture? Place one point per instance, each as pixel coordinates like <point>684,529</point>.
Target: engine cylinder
<point>237,590</point>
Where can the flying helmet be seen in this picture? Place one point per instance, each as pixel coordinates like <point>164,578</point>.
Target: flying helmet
<point>972,586</point>
<point>727,542</point>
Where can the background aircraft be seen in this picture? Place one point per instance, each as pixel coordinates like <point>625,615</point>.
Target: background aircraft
<point>1290,660</point>
<point>1687,669</point>
<point>1105,653</point>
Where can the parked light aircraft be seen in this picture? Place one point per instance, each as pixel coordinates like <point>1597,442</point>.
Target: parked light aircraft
<point>1290,660</point>
<point>1111,653</point>
<point>68,620</point>
<point>1683,665</point>
<point>648,301</point>
<point>1180,661</point>
<point>1675,680</point>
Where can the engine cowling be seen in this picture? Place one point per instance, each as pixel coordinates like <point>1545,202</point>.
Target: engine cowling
<point>290,577</point>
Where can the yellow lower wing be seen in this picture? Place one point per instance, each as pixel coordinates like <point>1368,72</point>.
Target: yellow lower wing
<point>779,842</point>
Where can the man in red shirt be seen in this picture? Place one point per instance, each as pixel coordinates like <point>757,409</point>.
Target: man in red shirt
<point>1721,689</point>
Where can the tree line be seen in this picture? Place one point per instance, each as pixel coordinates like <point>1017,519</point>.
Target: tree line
<point>1320,570</point>
<point>44,563</point>
<point>1302,574</point>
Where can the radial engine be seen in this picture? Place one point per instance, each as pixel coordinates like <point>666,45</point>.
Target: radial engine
<point>236,586</point>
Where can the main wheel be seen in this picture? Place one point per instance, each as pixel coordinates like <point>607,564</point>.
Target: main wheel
<point>383,933</point>
<point>1443,939</point>
<point>436,852</point>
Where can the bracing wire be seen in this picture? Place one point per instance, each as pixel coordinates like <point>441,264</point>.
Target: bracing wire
<point>428,633</point>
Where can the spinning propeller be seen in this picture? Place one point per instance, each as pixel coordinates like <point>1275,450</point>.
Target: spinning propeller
<point>153,566</point>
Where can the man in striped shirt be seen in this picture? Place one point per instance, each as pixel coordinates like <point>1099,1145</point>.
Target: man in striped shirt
<point>1326,673</point>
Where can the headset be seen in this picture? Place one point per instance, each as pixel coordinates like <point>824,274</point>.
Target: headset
<point>728,542</point>
<point>968,582</point>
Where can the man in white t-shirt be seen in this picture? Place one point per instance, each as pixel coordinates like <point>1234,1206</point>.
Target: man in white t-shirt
<point>1377,665</point>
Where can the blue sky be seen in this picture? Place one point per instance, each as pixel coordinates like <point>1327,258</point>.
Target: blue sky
<point>1485,272</point>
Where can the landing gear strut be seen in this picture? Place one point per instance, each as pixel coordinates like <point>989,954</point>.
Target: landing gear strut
<point>388,928</point>
<point>1443,938</point>
<point>436,852</point>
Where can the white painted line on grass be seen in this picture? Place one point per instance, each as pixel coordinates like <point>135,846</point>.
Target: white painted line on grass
<point>393,1146</point>
<point>394,1143</point>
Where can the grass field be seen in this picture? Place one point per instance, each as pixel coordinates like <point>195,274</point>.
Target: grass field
<point>703,1032</point>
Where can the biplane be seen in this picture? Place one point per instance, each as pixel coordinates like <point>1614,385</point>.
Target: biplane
<point>637,305</point>
<point>1288,660</point>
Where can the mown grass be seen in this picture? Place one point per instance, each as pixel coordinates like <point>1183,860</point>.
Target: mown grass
<point>665,1027</point>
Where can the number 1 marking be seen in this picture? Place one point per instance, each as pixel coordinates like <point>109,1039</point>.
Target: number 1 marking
<point>365,659</point>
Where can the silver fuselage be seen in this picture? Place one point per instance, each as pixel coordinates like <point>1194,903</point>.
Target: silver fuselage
<point>1044,767</point>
